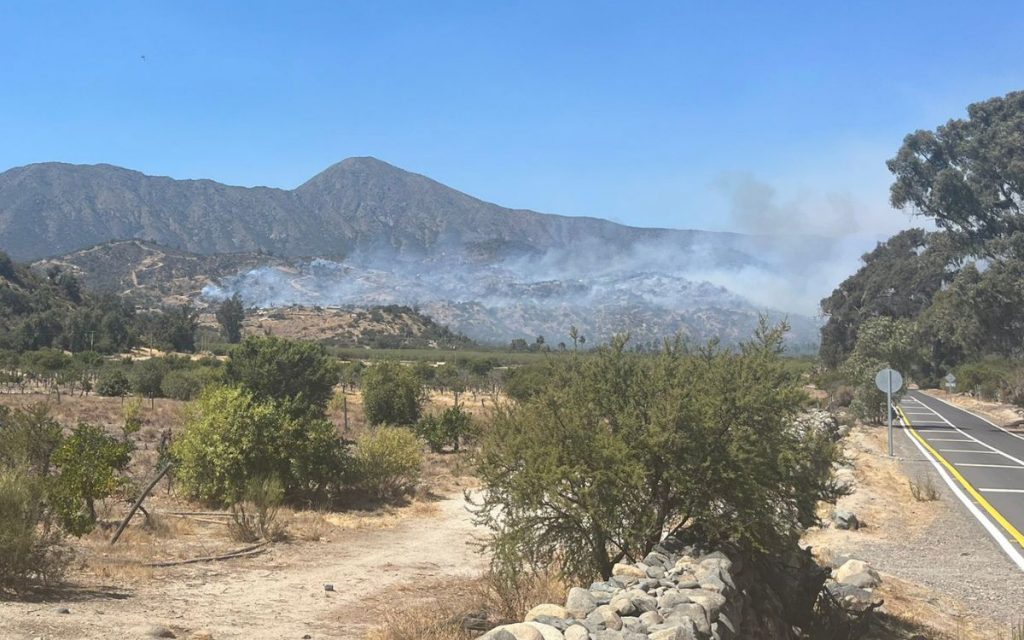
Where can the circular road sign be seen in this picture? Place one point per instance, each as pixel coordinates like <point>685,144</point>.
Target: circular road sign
<point>882,381</point>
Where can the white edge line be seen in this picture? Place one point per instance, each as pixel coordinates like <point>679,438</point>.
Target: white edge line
<point>984,444</point>
<point>1001,490</point>
<point>1000,539</point>
<point>1003,429</point>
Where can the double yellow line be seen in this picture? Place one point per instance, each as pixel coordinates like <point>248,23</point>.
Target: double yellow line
<point>980,499</point>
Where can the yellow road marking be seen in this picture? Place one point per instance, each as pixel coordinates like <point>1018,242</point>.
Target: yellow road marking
<point>998,517</point>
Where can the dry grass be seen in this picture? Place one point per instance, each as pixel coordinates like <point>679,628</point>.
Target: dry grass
<point>436,610</point>
<point>923,488</point>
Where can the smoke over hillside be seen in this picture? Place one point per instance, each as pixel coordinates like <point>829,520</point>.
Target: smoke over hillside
<point>651,293</point>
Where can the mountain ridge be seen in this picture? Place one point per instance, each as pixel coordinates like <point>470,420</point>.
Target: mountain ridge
<point>357,205</point>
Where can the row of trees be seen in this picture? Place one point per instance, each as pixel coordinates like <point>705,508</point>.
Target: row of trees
<point>934,302</point>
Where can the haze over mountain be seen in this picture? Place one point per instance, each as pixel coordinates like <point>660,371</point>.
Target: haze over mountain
<point>364,232</point>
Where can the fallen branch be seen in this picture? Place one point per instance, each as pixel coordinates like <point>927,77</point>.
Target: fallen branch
<point>238,553</point>
<point>138,503</point>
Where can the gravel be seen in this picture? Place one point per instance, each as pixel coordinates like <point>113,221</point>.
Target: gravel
<point>954,555</point>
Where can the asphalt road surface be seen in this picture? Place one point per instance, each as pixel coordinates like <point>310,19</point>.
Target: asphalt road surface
<point>981,462</point>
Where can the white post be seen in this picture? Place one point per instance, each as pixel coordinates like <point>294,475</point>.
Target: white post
<point>888,396</point>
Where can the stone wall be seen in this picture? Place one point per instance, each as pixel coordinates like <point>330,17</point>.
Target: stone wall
<point>679,593</point>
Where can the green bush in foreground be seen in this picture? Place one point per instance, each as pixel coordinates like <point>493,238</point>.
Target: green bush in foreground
<point>90,463</point>
<point>619,450</point>
<point>388,461</point>
<point>392,394</point>
<point>30,551</point>
<point>231,438</point>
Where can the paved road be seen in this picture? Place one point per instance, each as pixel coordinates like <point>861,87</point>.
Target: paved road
<point>981,462</point>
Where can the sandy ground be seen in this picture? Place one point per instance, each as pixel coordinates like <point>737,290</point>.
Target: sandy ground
<point>279,594</point>
<point>940,570</point>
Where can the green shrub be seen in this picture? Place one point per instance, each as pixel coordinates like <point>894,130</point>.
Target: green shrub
<point>29,550</point>
<point>113,383</point>
<point>388,461</point>
<point>231,437</point>
<point>392,394</point>
<point>90,464</point>
<point>182,384</point>
<point>297,375</point>
<point>619,449</point>
<point>445,430</point>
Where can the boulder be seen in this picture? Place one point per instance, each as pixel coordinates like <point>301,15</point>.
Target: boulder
<point>857,573</point>
<point>576,632</point>
<point>846,520</point>
<point>580,602</point>
<point>518,631</point>
<point>552,610</point>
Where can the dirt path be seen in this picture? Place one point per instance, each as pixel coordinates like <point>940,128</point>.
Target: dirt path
<point>279,594</point>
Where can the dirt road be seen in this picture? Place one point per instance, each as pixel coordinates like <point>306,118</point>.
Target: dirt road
<point>279,594</point>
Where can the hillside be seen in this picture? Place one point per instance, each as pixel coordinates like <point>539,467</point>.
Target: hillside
<point>359,206</point>
<point>150,274</point>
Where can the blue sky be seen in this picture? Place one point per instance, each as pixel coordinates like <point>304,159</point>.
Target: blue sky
<point>742,116</point>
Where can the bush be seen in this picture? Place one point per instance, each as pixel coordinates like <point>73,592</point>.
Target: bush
<point>618,450</point>
<point>113,383</point>
<point>231,438</point>
<point>255,516</point>
<point>923,489</point>
<point>392,394</point>
<point>388,461</point>
<point>297,375</point>
<point>29,550</point>
<point>90,463</point>
<point>182,384</point>
<point>445,430</point>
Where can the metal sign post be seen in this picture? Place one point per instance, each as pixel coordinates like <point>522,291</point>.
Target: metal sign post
<point>889,381</point>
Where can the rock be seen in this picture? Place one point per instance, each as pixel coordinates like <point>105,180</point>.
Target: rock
<point>518,631</point>
<point>559,623</point>
<point>711,601</point>
<point>693,612</point>
<point>577,632</point>
<point>157,631</point>
<point>604,617</point>
<point>651,618</point>
<point>628,570</point>
<point>551,610</point>
<point>683,630</point>
<point>846,520</point>
<point>62,610</point>
<point>642,602</point>
<point>851,568</point>
<point>546,631</point>
<point>863,580</point>
<point>579,603</point>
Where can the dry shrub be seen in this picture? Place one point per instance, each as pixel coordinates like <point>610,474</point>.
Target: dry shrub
<point>255,516</point>
<point>923,488</point>
<point>499,599</point>
<point>511,596</point>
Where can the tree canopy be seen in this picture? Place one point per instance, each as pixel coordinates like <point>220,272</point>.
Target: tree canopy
<point>967,175</point>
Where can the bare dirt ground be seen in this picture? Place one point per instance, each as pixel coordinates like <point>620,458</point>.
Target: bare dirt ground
<point>377,560</point>
<point>941,573</point>
<point>278,594</point>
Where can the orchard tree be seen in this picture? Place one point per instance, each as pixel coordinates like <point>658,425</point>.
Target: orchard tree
<point>298,375</point>
<point>90,467</point>
<point>392,394</point>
